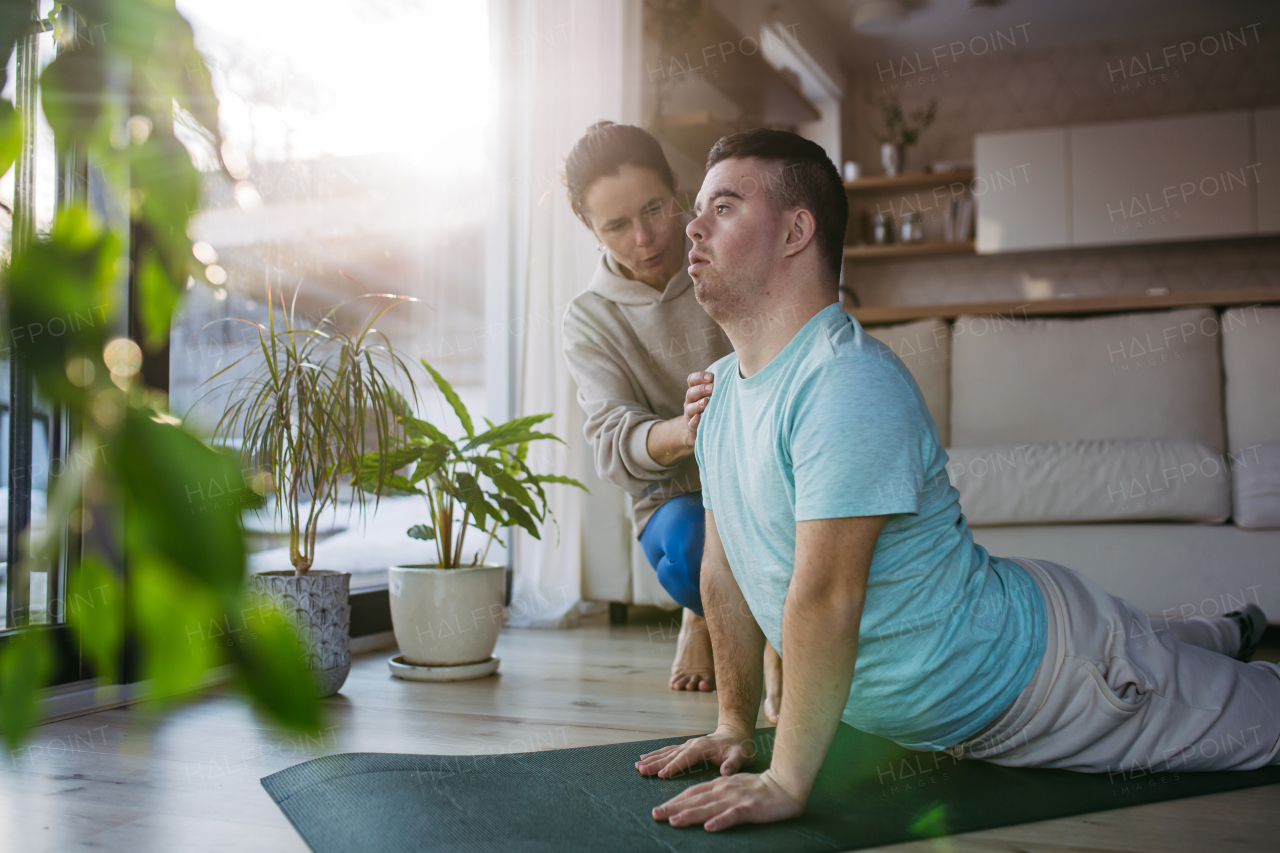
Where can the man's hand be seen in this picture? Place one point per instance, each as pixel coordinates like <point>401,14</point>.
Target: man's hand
<point>728,801</point>
<point>672,441</point>
<point>726,748</point>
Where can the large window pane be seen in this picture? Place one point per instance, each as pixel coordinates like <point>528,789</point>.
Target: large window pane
<point>362,156</point>
<point>32,591</point>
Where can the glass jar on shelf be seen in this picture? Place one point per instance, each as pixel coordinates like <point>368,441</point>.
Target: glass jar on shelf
<point>912,229</point>
<point>882,230</point>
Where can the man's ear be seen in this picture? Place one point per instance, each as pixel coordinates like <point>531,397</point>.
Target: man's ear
<point>802,228</point>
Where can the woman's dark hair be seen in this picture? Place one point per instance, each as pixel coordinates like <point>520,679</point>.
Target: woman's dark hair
<point>806,178</point>
<point>603,150</point>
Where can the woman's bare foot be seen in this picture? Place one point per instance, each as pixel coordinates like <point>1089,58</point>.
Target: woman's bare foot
<point>694,667</point>
<point>772,683</point>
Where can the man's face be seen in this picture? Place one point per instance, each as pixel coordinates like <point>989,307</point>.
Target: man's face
<point>736,237</point>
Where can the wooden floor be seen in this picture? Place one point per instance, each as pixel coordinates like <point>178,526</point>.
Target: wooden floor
<point>128,780</point>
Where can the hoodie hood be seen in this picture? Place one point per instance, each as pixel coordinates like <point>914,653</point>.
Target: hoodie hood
<point>612,285</point>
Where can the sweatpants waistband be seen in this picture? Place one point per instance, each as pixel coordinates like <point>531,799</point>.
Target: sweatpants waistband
<point>1003,736</point>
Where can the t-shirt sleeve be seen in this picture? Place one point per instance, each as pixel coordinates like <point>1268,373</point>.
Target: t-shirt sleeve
<point>857,442</point>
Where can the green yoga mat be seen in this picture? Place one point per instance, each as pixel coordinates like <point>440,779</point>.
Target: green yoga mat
<point>870,792</point>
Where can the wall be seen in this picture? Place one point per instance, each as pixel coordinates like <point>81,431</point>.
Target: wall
<point>1019,86</point>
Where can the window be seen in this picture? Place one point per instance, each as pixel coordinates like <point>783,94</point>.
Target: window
<point>357,130</point>
<point>33,436</point>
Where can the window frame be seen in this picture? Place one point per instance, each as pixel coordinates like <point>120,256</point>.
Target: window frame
<point>71,178</point>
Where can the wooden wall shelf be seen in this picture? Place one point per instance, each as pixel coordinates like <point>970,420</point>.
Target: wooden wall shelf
<point>883,314</point>
<point>906,251</point>
<point>912,181</point>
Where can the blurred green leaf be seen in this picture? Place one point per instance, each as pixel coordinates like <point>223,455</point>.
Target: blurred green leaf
<point>496,434</point>
<point>452,396</point>
<point>422,429</point>
<point>157,298</point>
<point>185,501</point>
<point>15,22</point>
<point>473,498</point>
<point>397,485</point>
<point>523,437</point>
<point>169,185</point>
<point>432,458</point>
<point>272,669</point>
<point>557,478</point>
<point>422,531</point>
<point>516,514</point>
<point>133,25</point>
<point>60,299</point>
<point>95,610</point>
<point>512,487</point>
<point>193,88</point>
<point>71,93</point>
<point>26,662</point>
<point>10,134</point>
<point>181,622</point>
<point>374,464</point>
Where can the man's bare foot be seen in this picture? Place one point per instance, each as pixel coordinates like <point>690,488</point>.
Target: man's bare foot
<point>772,683</point>
<point>694,667</point>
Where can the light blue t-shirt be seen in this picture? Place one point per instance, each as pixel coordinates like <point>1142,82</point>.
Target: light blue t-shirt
<point>836,427</point>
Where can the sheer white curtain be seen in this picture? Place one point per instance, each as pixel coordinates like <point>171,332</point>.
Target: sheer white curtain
<point>563,65</point>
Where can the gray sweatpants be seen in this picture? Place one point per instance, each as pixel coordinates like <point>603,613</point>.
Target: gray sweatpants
<point>1116,691</point>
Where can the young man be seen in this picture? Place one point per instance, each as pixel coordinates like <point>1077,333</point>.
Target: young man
<point>833,531</point>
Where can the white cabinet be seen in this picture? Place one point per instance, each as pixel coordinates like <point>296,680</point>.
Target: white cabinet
<point>1266,135</point>
<point>1180,178</point>
<point>1020,189</point>
<point>1189,177</point>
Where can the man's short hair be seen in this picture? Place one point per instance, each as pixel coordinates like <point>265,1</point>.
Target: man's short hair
<point>807,178</point>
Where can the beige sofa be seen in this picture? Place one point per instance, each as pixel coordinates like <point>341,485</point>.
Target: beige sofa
<point>1141,449</point>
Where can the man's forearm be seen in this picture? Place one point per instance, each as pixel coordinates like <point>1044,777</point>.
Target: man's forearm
<point>821,642</point>
<point>736,640</point>
<point>820,622</point>
<point>666,442</point>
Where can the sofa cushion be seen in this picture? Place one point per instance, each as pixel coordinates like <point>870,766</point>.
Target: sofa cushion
<point>1153,375</point>
<point>1251,365</point>
<point>1084,481</point>
<point>1256,486</point>
<point>1164,569</point>
<point>925,348</point>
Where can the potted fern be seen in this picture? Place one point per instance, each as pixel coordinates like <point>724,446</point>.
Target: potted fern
<point>313,404</point>
<point>447,613</point>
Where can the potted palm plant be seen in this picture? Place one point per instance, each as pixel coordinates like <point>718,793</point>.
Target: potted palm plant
<point>314,404</point>
<point>447,613</point>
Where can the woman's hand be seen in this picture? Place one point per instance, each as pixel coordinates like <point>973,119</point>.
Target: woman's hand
<point>696,400</point>
<point>671,441</point>
<point>728,801</point>
<point>726,748</point>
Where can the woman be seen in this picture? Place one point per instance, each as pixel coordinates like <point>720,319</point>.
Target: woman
<point>637,343</point>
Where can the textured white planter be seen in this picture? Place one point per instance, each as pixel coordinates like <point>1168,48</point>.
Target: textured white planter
<point>446,617</point>
<point>318,603</point>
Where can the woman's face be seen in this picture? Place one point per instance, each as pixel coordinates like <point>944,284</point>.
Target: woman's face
<point>635,215</point>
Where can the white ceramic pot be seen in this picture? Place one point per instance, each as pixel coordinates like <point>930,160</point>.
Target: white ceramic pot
<point>446,617</point>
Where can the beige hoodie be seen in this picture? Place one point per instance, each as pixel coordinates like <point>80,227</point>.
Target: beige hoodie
<point>631,350</point>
